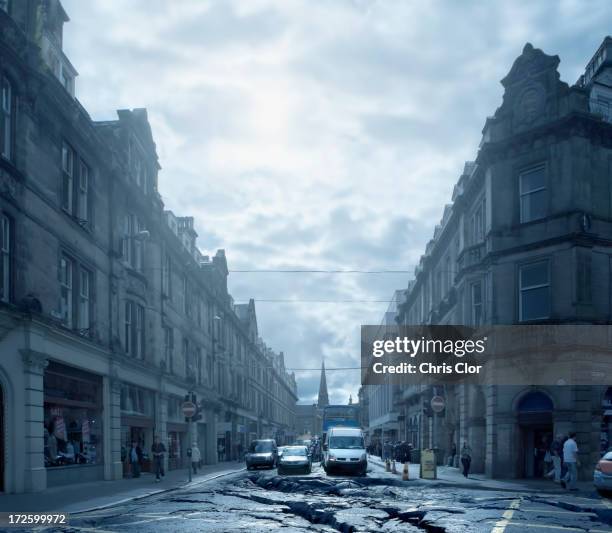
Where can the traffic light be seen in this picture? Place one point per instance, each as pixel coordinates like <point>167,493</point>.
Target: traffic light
<point>198,414</point>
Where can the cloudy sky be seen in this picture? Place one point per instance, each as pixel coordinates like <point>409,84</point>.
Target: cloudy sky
<point>315,134</point>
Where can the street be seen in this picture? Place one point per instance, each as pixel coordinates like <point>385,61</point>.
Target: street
<point>260,501</point>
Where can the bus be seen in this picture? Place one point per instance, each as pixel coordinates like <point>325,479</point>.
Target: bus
<point>340,415</point>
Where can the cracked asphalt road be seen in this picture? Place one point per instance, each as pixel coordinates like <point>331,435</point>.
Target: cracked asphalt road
<point>263,501</point>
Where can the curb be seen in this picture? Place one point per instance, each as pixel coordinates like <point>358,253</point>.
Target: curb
<point>157,492</point>
<point>460,485</point>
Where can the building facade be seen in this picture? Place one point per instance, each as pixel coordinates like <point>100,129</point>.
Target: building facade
<point>109,313</point>
<point>526,240</point>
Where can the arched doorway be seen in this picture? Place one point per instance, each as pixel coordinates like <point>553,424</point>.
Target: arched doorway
<point>534,410</point>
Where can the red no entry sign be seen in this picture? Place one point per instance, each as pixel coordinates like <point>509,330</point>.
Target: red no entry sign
<point>437,404</point>
<point>189,409</point>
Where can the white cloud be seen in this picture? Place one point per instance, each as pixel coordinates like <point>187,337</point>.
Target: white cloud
<point>324,134</point>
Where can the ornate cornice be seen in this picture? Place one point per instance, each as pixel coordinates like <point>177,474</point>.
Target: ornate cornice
<point>34,361</point>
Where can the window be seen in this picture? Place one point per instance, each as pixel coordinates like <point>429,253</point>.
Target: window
<point>139,332</point>
<point>169,348</point>
<point>134,335</point>
<point>67,177</point>
<point>187,359</point>
<point>5,258</point>
<point>84,300</point>
<point>476,294</point>
<point>76,297</point>
<point>199,364</point>
<point>76,186</point>
<point>83,203</point>
<point>133,244</point>
<point>533,195</point>
<point>6,120</point>
<point>167,276</point>
<point>66,271</point>
<point>129,306</point>
<point>476,224</point>
<point>583,277</point>
<point>534,289</point>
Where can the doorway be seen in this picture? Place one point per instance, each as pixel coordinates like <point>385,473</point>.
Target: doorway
<point>535,423</point>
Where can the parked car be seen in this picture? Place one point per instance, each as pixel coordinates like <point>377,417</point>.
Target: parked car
<point>602,477</point>
<point>344,449</point>
<point>262,452</point>
<point>281,450</point>
<point>295,459</point>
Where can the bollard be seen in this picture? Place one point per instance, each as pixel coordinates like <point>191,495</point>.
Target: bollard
<point>406,474</point>
<point>387,465</point>
<point>393,469</point>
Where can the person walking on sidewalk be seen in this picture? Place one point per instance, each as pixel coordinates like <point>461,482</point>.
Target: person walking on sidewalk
<point>158,450</point>
<point>135,459</point>
<point>556,449</point>
<point>466,458</point>
<point>196,457</point>
<point>570,458</point>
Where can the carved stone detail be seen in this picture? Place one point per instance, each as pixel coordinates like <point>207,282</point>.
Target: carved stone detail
<point>34,361</point>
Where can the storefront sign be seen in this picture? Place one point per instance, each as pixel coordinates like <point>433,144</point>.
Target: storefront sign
<point>428,464</point>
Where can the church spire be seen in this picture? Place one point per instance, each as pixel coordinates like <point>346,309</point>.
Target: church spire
<point>323,399</point>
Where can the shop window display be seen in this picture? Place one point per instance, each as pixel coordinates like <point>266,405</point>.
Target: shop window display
<point>73,417</point>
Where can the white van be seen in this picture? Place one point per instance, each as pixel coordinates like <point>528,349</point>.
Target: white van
<point>344,449</point>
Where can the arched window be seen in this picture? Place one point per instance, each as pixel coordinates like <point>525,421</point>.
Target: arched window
<point>6,119</point>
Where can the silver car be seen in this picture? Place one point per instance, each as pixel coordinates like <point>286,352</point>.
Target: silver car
<point>294,459</point>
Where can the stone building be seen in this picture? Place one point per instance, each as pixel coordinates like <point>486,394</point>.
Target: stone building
<point>526,240</point>
<point>109,313</point>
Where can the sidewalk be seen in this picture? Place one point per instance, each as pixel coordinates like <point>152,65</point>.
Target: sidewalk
<point>448,475</point>
<point>94,495</point>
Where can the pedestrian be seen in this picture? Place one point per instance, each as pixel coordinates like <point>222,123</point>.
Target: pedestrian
<point>466,458</point>
<point>158,450</point>
<point>453,453</point>
<point>220,451</point>
<point>196,457</point>
<point>556,449</point>
<point>240,452</point>
<point>570,458</point>
<point>135,459</point>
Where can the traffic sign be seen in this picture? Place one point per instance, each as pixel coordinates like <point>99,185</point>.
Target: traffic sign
<point>437,404</point>
<point>189,409</point>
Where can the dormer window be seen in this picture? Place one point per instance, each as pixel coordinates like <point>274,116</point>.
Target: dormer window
<point>138,166</point>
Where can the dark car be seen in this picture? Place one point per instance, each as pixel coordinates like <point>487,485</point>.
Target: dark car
<point>261,453</point>
<point>295,459</point>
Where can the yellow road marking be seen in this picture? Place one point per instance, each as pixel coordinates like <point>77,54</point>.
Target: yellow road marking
<point>500,526</point>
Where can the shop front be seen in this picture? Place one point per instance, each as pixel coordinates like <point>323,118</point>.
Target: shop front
<point>73,432</point>
<point>137,425</point>
<point>178,434</point>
